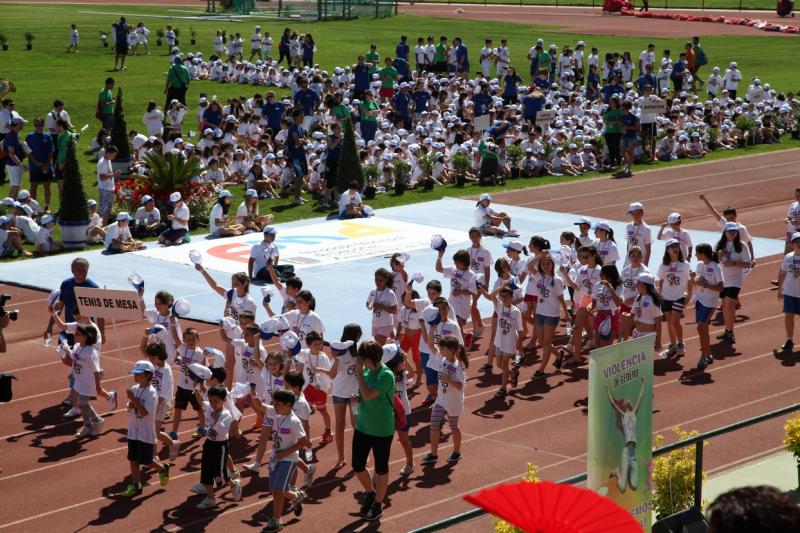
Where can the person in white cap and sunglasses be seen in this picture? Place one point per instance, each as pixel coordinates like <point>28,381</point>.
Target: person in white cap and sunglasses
<point>179,218</point>
<point>489,221</point>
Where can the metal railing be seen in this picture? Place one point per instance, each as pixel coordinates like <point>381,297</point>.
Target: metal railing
<point>697,441</point>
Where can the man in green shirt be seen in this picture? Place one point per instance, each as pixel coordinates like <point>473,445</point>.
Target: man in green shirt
<point>544,62</point>
<point>373,59</point>
<point>388,76</point>
<point>440,55</point>
<point>105,104</point>
<point>178,79</point>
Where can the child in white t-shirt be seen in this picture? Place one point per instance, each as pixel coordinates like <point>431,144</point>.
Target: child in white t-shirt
<point>163,382</point>
<point>462,287</point>
<point>315,367</point>
<point>45,244</point>
<point>74,38</point>
<point>382,301</point>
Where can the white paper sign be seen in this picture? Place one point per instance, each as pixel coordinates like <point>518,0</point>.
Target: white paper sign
<point>106,303</point>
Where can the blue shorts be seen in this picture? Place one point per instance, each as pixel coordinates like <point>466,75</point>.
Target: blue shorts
<point>702,314</point>
<point>791,305</point>
<point>339,399</point>
<point>431,376</point>
<point>541,320</point>
<point>280,477</point>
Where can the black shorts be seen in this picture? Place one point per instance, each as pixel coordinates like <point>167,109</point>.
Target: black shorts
<point>41,177</point>
<point>121,49</point>
<point>379,446</point>
<point>174,235</point>
<point>730,292</point>
<point>213,466</point>
<point>184,397</point>
<point>673,305</point>
<point>141,452</point>
<point>441,66</point>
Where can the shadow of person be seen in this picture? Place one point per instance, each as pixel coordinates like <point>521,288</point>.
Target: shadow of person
<point>120,506</point>
<point>695,376</point>
<point>493,407</point>
<point>787,358</point>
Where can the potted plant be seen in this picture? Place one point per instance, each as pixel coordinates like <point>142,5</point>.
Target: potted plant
<point>792,441</point>
<point>747,125</point>
<point>29,37</point>
<point>794,127</point>
<point>177,33</point>
<point>371,173</point>
<point>159,36</point>
<point>349,163</point>
<point>73,216</point>
<point>120,139</point>
<point>426,163</point>
<point>461,164</point>
<point>3,41</point>
<point>192,35</point>
<point>401,170</point>
<point>514,155</point>
<point>673,477</point>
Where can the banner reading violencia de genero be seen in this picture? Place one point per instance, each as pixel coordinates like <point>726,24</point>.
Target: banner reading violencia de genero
<point>621,425</point>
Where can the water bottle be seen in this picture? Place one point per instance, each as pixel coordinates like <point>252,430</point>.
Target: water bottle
<point>354,407</point>
<point>136,281</point>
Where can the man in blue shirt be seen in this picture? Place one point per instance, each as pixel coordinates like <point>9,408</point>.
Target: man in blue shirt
<point>612,88</point>
<point>403,69</point>
<point>678,73</point>
<point>402,49</point>
<point>400,103</point>
<point>296,145</point>
<point>532,104</point>
<point>646,79</point>
<point>308,100</point>
<point>121,30</point>
<point>420,97</point>
<point>360,77</point>
<point>40,160</point>
<point>462,59</point>
<point>273,110</point>
<point>630,137</point>
<point>80,278</point>
<point>482,100</point>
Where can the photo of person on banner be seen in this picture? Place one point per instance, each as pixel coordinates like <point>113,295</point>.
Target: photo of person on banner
<point>627,473</point>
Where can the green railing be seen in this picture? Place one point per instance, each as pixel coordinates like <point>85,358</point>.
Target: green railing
<point>764,5</point>
<point>696,441</point>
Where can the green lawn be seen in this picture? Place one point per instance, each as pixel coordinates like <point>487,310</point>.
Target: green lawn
<point>47,72</point>
<point>654,4</point>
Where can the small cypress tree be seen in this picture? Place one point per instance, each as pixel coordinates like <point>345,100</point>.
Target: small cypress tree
<point>349,162</point>
<point>119,131</point>
<point>73,198</point>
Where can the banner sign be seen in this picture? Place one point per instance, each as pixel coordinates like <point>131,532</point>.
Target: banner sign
<point>655,106</point>
<point>620,450</point>
<point>482,122</point>
<point>110,304</point>
<point>545,116</point>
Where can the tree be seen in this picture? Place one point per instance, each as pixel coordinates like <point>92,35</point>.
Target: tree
<point>119,131</point>
<point>73,198</point>
<point>349,162</point>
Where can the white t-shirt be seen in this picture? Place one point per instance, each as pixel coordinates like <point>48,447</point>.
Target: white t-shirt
<point>85,363</point>
<point>144,217</point>
<point>680,235</point>
<point>28,227</point>
<point>630,280</point>
<point>607,250</point>
<point>509,326</point>
<point>346,199</point>
<point>104,167</point>
<point>263,253</point>
<point>311,364</point>
<point>237,304</point>
<point>640,236</point>
<point>185,358</point>
<point>604,301</point>
<point>587,279</point>
<point>445,329</point>
<point>450,398</point>
<point>547,290</point>
<point>158,319</point>
<point>675,277</point>
<point>460,280</point>
<point>408,318</point>
<point>163,381</point>
<point>793,214</point>
<point>245,369</point>
<point>43,237</point>
<point>482,214</point>
<point>143,428</point>
<point>303,323</point>
<point>479,259</point>
<point>345,384</point>
<point>733,276</point>
<point>301,409</point>
<point>217,430</point>
<point>182,213</point>
<point>114,232</point>
<point>645,310</point>
<point>286,431</point>
<point>273,383</point>
<point>385,297</point>
<point>216,213</point>
<point>712,273</point>
<point>791,282</point>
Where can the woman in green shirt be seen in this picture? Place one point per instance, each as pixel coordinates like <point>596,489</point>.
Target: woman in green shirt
<point>368,116</point>
<point>613,131</point>
<point>63,136</point>
<point>374,425</point>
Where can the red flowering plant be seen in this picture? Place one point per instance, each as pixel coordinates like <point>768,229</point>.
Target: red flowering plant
<point>163,175</point>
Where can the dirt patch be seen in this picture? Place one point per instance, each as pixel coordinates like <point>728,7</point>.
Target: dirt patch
<point>593,22</point>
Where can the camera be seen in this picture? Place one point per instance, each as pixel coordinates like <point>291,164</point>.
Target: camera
<point>12,315</point>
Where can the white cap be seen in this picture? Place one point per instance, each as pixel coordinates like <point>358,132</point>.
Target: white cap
<point>47,219</point>
<point>514,245</point>
<point>485,197</point>
<point>602,226</point>
<point>175,197</point>
<point>673,218</point>
<point>201,371</point>
<point>143,366</point>
<point>583,220</point>
<point>123,216</point>
<point>635,206</point>
<point>390,351</point>
<point>224,193</point>
<point>24,194</point>
<point>646,277</point>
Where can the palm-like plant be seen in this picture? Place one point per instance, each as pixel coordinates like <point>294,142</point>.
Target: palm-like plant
<point>170,172</point>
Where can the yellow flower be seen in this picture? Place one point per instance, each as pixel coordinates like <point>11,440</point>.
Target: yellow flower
<point>501,526</point>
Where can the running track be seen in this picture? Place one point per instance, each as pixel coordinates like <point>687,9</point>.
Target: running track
<point>50,482</point>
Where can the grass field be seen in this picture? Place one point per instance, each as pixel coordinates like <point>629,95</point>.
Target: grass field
<point>767,5</point>
<point>47,72</point>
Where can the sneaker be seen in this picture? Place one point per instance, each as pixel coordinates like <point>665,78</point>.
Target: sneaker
<point>308,455</point>
<point>198,488</point>
<point>429,458</point>
<point>407,469</point>
<point>486,367</point>
<point>709,359</point>
<point>502,393</point>
<point>199,432</point>
<point>85,431</point>
<point>299,201</point>
<point>788,346</point>
<point>723,336</point>
<point>112,400</point>
<point>668,352</point>
<point>297,506</point>
<point>174,450</point>
<point>254,467</point>
<point>173,435</point>
<point>308,477</point>
<point>679,349</point>
<point>454,457</point>
<point>236,491</point>
<point>97,427</point>
<point>67,401</point>
<point>538,374</point>
<point>163,476</point>
<point>131,491</point>
<point>374,512</point>
<point>234,474</point>
<point>369,499</point>
<point>702,363</point>
<point>72,413</point>
<point>272,526</point>
<point>477,332</point>
<point>327,437</point>
<point>513,233</point>
<point>207,503</point>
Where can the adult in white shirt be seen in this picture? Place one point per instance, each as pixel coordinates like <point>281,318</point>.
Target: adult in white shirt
<point>350,205</point>
<point>58,112</point>
<point>180,221</point>
<point>647,57</point>
<point>731,79</point>
<point>105,182</point>
<point>154,119</point>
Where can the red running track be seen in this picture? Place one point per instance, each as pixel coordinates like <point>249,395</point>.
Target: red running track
<point>51,482</point>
